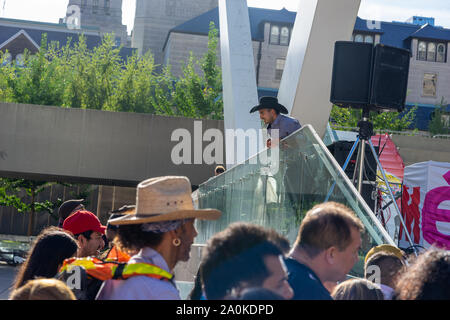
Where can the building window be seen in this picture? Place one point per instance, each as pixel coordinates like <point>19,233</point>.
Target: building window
<point>368,39</point>
<point>441,52</point>
<point>422,51</point>
<point>94,6</point>
<point>446,120</point>
<point>284,38</point>
<point>359,38</point>
<point>363,38</point>
<point>171,8</point>
<point>279,67</point>
<point>431,52</point>
<point>429,85</point>
<point>107,6</point>
<point>274,35</point>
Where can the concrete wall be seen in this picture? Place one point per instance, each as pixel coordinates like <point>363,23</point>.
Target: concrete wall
<point>93,147</point>
<point>106,20</point>
<point>154,19</point>
<point>180,45</point>
<point>415,149</point>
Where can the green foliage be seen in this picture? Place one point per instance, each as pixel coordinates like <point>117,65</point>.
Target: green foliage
<point>345,117</point>
<point>437,124</point>
<point>75,77</point>
<point>394,121</point>
<point>14,192</point>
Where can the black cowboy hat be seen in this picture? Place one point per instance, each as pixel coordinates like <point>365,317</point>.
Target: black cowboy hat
<point>269,103</point>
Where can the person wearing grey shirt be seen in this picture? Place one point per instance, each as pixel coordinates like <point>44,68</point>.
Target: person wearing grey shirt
<point>271,112</point>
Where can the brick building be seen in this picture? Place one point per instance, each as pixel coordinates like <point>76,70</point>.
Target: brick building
<point>105,15</point>
<point>429,76</point>
<point>18,35</point>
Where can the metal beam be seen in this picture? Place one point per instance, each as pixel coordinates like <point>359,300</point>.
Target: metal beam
<point>238,76</point>
<point>96,147</point>
<point>306,81</point>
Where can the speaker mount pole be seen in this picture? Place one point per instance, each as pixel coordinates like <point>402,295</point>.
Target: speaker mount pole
<point>364,135</point>
<point>391,194</point>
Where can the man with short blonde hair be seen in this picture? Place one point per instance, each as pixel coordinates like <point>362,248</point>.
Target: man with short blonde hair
<point>325,250</point>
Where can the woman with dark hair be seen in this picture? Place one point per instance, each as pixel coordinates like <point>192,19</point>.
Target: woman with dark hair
<point>51,247</point>
<point>428,278</point>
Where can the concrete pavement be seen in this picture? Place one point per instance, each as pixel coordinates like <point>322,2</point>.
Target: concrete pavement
<point>7,275</point>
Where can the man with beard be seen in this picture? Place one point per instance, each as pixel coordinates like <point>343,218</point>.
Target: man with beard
<point>88,231</point>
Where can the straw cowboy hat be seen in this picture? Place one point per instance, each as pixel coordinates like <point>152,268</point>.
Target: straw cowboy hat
<point>164,199</point>
<point>385,248</point>
<point>269,103</point>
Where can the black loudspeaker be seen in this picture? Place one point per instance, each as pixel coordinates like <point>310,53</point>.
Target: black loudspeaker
<point>366,193</point>
<point>368,76</point>
<point>390,77</point>
<point>352,67</point>
<point>341,149</point>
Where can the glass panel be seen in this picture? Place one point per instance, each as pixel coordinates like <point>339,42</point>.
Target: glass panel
<point>441,52</point>
<point>431,54</point>
<point>359,38</point>
<point>422,52</point>
<point>284,39</point>
<point>274,35</point>
<point>279,199</point>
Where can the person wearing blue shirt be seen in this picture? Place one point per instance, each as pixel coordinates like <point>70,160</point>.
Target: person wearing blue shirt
<point>271,112</point>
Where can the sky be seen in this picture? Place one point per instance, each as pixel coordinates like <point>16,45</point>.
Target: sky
<point>384,10</point>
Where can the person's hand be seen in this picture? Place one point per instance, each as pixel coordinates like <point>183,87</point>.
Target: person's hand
<point>271,143</point>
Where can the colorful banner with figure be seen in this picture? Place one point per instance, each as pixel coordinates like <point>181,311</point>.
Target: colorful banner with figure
<point>426,204</point>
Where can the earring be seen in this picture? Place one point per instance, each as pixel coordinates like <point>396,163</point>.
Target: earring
<point>176,242</point>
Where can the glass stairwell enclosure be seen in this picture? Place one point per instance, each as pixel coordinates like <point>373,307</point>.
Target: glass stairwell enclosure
<point>277,191</point>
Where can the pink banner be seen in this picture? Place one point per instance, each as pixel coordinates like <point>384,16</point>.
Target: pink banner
<point>426,204</point>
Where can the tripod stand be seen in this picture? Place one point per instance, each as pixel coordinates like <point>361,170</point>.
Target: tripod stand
<point>364,136</point>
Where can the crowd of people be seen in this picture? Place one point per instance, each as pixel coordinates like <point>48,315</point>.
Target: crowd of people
<point>134,255</point>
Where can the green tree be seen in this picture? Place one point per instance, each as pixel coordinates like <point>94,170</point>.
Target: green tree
<point>437,125</point>
<point>194,94</point>
<point>37,82</point>
<point>135,86</point>
<point>74,76</point>
<point>10,196</point>
<point>395,121</point>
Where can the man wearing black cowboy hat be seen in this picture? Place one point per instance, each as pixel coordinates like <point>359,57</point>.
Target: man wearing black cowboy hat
<point>270,111</point>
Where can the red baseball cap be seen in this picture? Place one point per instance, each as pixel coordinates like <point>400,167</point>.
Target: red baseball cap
<point>82,221</point>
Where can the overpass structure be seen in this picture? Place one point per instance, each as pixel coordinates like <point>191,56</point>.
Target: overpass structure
<point>95,147</point>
